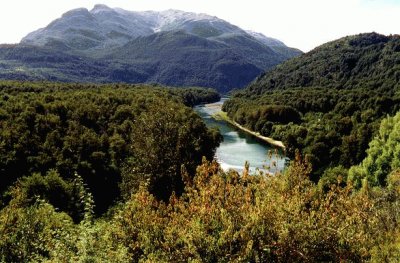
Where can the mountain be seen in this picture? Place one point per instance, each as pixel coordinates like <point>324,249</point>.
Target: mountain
<point>171,47</point>
<point>104,27</point>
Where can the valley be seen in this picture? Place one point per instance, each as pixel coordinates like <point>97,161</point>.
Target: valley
<point>174,136</point>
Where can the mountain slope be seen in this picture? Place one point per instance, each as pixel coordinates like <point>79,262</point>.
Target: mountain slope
<point>24,62</point>
<point>327,103</point>
<point>171,47</point>
<point>354,61</point>
<point>180,58</point>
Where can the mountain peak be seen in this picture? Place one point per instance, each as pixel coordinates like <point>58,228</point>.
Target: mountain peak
<point>100,7</point>
<point>77,11</point>
<point>179,14</point>
<point>172,47</point>
<point>103,27</point>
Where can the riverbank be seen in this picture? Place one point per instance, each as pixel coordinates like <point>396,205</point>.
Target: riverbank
<point>240,146</point>
<point>220,115</point>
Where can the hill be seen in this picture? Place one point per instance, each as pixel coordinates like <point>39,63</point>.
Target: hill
<point>171,47</point>
<point>327,103</point>
<point>362,60</point>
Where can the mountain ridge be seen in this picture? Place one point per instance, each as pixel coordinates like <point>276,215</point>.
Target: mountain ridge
<point>107,20</point>
<point>169,47</point>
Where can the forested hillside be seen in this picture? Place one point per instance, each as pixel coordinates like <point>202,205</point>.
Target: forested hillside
<point>367,60</point>
<point>327,103</point>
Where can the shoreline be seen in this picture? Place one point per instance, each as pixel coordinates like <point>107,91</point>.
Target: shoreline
<point>223,116</point>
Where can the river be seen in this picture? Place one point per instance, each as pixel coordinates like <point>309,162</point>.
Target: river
<point>239,146</point>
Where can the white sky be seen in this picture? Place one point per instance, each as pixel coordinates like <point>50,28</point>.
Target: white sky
<point>303,24</point>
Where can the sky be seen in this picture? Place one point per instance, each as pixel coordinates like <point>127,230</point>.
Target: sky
<point>302,24</point>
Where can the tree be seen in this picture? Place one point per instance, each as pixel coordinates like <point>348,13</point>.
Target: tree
<point>383,155</point>
<point>163,140</point>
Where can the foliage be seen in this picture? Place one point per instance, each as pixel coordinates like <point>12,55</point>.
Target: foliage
<point>92,130</point>
<point>332,176</point>
<point>30,233</point>
<point>51,188</point>
<point>342,90</point>
<point>40,233</point>
<point>383,155</point>
<point>222,216</point>
<point>359,61</point>
<point>226,217</point>
<point>167,147</point>
<point>195,96</point>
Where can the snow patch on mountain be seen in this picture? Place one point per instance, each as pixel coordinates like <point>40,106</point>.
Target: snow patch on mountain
<point>269,41</point>
<point>104,27</point>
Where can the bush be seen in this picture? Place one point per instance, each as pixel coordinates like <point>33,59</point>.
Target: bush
<point>229,217</point>
<point>383,155</point>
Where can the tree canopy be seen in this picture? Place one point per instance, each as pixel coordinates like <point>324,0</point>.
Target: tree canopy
<point>337,95</point>
<point>95,131</point>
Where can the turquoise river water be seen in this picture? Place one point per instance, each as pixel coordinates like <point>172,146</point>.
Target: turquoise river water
<point>239,146</point>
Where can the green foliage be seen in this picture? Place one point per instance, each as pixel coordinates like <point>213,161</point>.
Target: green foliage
<point>39,233</point>
<point>167,147</point>
<point>92,130</point>
<point>61,194</point>
<point>383,155</point>
<point>29,234</point>
<point>342,90</point>
<point>364,60</point>
<point>195,96</point>
<point>223,217</point>
<point>332,176</point>
<point>332,131</point>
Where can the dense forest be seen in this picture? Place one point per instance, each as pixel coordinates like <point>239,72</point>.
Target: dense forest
<point>54,131</point>
<point>327,103</point>
<point>220,217</point>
